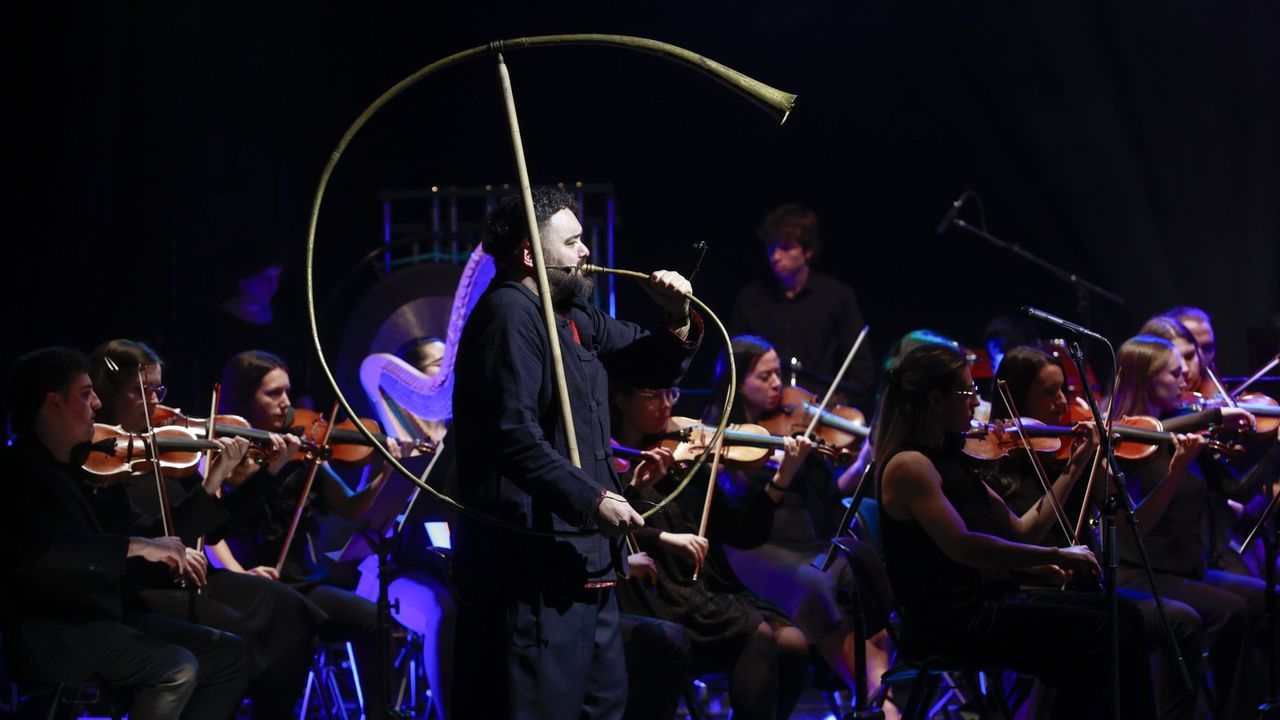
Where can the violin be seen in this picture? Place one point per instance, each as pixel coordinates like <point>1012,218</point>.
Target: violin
<point>744,444</point>
<point>839,426</point>
<point>347,445</point>
<point>115,453</point>
<point>1138,435</point>
<point>1264,408</point>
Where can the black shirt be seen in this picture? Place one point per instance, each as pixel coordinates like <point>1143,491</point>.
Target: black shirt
<point>818,326</point>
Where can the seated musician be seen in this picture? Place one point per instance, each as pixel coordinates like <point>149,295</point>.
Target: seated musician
<point>255,385</point>
<point>1036,380</point>
<point>68,554</point>
<point>731,629</point>
<point>1171,490</point>
<point>1256,463</point>
<point>808,514</point>
<point>950,542</point>
<point>277,621</point>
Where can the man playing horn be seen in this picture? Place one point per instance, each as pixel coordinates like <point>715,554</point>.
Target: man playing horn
<point>538,622</point>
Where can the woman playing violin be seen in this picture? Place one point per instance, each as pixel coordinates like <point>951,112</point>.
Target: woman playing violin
<point>276,620</point>
<point>1171,492</point>
<point>1035,380</point>
<point>950,541</point>
<point>807,517</point>
<point>255,385</point>
<point>731,629</point>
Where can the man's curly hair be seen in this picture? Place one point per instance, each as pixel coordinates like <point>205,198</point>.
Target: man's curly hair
<point>506,229</point>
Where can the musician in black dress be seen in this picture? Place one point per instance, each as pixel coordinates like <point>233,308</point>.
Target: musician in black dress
<point>950,543</point>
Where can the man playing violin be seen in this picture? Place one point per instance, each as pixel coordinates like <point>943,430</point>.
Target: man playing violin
<point>71,613</point>
<point>277,621</point>
<point>541,606</point>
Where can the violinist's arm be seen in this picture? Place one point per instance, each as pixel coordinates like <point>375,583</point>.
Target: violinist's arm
<point>912,489</point>
<point>1151,508</point>
<point>1036,523</point>
<point>849,479</point>
<point>342,500</point>
<point>221,552</point>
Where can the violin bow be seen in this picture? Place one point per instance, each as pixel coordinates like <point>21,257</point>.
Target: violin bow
<point>711,488</point>
<point>1058,512</point>
<point>1217,383</point>
<point>317,459</point>
<point>835,382</point>
<point>210,428</point>
<point>1239,389</point>
<point>162,490</point>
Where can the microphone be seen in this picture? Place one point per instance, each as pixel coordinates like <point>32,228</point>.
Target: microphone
<point>953,212</point>
<point>1056,321</point>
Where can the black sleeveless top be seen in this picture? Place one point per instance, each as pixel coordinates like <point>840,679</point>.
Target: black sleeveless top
<point>923,578</point>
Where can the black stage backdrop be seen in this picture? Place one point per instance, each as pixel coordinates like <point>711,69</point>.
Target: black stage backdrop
<point>153,147</point>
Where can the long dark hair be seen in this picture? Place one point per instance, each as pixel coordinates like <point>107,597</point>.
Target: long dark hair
<point>242,376</point>
<point>747,351</point>
<point>1139,359</point>
<point>1020,368</point>
<point>903,408</point>
<point>128,356</point>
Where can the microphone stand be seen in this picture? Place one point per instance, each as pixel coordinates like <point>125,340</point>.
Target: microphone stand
<point>1119,499</point>
<point>1083,287</point>
<point>1266,528</point>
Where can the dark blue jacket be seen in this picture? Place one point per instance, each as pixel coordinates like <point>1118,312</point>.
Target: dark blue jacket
<point>512,457</point>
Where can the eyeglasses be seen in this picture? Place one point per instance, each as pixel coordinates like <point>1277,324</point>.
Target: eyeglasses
<point>971,392</point>
<point>158,390</point>
<point>671,394</point>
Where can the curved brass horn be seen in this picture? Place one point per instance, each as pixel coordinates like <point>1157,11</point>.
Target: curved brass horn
<point>777,102</point>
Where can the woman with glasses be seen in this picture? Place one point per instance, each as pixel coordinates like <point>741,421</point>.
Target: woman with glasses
<point>730,629</point>
<point>782,569</point>
<point>278,622</point>
<point>950,543</point>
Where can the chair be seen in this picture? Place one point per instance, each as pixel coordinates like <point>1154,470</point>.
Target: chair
<point>923,679</point>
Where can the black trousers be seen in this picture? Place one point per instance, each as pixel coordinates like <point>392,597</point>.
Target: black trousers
<point>1231,610</point>
<point>1174,700</point>
<point>177,669</point>
<point>1059,637</point>
<point>549,656</point>
<point>658,658</point>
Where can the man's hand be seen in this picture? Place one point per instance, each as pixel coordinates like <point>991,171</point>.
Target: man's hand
<point>197,568</point>
<point>668,288</point>
<point>615,516</point>
<point>167,550</point>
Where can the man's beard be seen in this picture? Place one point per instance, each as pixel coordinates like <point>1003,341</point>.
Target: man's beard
<point>568,286</point>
